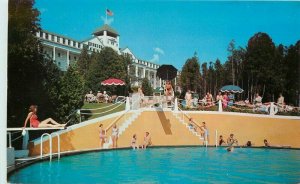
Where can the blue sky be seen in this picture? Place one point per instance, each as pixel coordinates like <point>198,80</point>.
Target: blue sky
<point>171,31</point>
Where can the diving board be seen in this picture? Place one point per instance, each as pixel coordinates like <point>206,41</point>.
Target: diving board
<point>20,129</point>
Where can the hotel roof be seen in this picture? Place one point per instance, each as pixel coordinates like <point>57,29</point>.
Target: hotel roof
<point>107,28</point>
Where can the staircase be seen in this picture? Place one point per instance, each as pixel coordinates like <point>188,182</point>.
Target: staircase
<point>181,120</point>
<point>123,127</point>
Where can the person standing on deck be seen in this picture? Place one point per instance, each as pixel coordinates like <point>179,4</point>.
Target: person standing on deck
<point>114,136</point>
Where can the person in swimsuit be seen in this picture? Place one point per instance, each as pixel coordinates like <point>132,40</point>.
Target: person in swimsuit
<point>188,99</point>
<point>35,123</point>
<point>147,141</point>
<point>205,132</point>
<point>231,140</point>
<point>134,142</point>
<point>266,143</point>
<point>168,89</point>
<point>114,135</point>
<point>102,135</point>
<point>219,97</point>
<point>221,140</point>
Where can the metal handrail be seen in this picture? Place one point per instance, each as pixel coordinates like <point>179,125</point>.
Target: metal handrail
<point>111,124</point>
<point>50,145</point>
<point>184,114</point>
<point>58,144</point>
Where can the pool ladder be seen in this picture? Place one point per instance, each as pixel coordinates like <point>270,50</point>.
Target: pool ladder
<point>50,145</point>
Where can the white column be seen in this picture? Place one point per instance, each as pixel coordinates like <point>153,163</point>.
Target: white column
<point>128,69</point>
<point>68,60</point>
<point>144,72</point>
<point>136,71</point>
<point>154,80</point>
<point>220,106</point>
<point>127,107</point>
<point>176,105</point>
<point>53,54</point>
<point>149,78</point>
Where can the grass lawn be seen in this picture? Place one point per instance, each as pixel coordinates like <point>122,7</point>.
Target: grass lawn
<point>100,105</point>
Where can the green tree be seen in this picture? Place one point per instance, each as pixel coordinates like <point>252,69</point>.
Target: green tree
<point>190,75</point>
<point>107,64</point>
<point>28,72</point>
<point>146,87</point>
<point>260,60</point>
<point>83,62</point>
<point>292,85</point>
<point>71,93</point>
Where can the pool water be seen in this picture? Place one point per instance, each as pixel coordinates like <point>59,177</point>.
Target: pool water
<point>168,165</point>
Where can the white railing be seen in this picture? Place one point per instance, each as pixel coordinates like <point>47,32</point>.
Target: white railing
<point>50,146</point>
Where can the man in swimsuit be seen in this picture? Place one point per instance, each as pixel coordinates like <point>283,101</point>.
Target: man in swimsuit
<point>231,140</point>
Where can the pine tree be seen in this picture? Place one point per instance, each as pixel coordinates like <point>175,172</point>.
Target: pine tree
<point>70,93</point>
<point>83,63</point>
<point>190,75</point>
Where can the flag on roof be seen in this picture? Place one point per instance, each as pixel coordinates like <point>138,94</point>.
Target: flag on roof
<point>108,12</point>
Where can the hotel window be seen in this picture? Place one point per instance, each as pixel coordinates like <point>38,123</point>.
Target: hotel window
<point>69,57</point>
<point>67,42</point>
<point>58,54</point>
<point>58,63</point>
<point>58,39</point>
<point>63,41</point>
<point>75,58</point>
<point>52,38</point>
<point>47,36</point>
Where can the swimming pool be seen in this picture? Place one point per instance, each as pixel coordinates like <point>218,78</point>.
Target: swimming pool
<point>168,165</point>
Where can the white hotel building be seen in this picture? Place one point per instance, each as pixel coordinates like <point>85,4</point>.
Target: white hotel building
<point>65,51</point>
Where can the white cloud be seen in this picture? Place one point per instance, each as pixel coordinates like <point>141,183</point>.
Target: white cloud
<point>108,20</point>
<point>159,50</point>
<point>155,58</point>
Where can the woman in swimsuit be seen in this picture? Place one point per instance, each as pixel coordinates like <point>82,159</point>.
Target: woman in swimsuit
<point>169,89</point>
<point>147,141</point>
<point>221,140</point>
<point>134,142</point>
<point>35,123</point>
<point>102,135</point>
<point>114,135</point>
<point>205,132</point>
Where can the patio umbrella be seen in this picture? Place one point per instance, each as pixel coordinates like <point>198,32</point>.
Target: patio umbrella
<point>113,82</point>
<point>167,72</point>
<point>232,89</point>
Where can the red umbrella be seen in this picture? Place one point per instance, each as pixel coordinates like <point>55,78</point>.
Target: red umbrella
<point>113,82</point>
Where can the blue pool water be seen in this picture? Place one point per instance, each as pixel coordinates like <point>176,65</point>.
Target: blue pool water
<point>168,165</point>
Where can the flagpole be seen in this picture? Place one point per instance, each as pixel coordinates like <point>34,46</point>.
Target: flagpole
<point>105,16</point>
